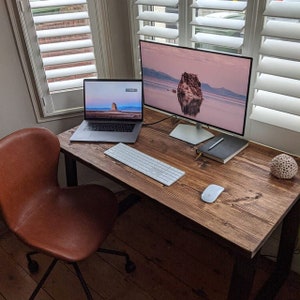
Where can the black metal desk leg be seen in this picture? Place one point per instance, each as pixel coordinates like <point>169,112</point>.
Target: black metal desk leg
<point>289,233</point>
<point>71,170</point>
<point>242,278</point>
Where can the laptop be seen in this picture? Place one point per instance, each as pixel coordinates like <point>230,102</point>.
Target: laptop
<point>113,111</point>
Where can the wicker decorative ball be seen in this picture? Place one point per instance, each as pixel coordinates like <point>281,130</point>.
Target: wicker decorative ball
<point>284,166</point>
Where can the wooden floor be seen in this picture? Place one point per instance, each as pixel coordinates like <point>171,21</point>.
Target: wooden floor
<point>173,262</point>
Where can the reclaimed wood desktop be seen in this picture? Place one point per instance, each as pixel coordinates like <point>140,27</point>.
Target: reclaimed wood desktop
<point>244,216</point>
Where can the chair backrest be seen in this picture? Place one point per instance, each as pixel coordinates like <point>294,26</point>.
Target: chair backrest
<point>28,169</point>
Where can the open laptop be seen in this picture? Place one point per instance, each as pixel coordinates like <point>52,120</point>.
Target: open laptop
<point>113,111</point>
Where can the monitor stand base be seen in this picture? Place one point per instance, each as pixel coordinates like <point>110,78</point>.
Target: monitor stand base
<point>191,133</point>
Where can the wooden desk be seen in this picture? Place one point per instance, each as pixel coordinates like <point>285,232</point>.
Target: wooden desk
<point>253,204</point>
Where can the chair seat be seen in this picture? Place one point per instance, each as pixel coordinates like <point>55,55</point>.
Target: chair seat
<point>70,223</point>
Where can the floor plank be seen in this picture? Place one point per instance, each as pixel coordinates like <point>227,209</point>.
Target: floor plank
<point>168,245</point>
<point>15,282</point>
<point>174,261</point>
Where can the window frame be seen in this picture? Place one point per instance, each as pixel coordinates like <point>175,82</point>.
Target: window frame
<point>99,23</point>
<point>285,120</point>
<point>185,18</point>
<point>257,131</point>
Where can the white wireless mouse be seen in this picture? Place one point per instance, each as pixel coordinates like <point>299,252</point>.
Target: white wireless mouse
<point>211,193</point>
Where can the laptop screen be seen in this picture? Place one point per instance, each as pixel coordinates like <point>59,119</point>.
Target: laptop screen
<point>113,99</point>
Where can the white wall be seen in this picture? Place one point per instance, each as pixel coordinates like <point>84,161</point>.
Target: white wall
<point>16,107</point>
<point>16,110</point>
<point>278,138</point>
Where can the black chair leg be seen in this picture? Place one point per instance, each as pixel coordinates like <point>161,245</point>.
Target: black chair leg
<point>129,266</point>
<point>42,281</point>
<point>82,281</point>
<point>32,265</point>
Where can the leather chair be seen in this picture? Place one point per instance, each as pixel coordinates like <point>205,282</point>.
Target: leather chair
<point>67,223</point>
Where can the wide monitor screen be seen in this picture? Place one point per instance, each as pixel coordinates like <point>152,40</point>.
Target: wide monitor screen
<point>207,87</point>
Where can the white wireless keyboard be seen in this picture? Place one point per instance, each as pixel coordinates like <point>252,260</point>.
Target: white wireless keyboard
<point>145,164</point>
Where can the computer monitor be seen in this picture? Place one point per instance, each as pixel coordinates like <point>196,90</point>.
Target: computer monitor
<point>207,87</point>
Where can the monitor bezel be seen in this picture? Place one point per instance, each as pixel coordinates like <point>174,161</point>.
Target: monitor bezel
<point>199,122</point>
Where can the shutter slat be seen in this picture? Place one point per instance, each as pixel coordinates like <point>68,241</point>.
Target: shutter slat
<point>48,33</point>
<point>51,47</point>
<point>283,9</point>
<point>169,3</point>
<point>279,85</point>
<point>280,48</point>
<point>277,102</point>
<point>72,71</point>
<point>51,3</point>
<point>279,67</point>
<point>219,23</point>
<point>65,59</point>
<point>66,84</point>
<point>167,33</point>
<point>227,5</point>
<point>158,17</point>
<point>288,30</point>
<point>275,118</point>
<point>218,40</point>
<point>60,17</point>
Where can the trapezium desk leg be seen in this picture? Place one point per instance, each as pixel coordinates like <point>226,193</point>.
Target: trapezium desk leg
<point>289,233</point>
<point>242,278</point>
<point>71,170</point>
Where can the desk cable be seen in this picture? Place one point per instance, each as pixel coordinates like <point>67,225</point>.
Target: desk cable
<point>156,122</point>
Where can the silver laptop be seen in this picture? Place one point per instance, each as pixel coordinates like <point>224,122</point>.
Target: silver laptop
<point>113,111</point>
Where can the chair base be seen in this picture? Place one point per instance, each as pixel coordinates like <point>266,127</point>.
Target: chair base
<point>34,267</point>
<point>129,264</point>
<point>42,281</point>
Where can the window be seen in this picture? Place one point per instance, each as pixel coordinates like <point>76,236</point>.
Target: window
<point>269,31</point>
<point>219,25</point>
<point>64,38</point>
<point>158,20</point>
<point>277,88</point>
<point>58,40</point>
<point>208,24</point>
<point>215,25</point>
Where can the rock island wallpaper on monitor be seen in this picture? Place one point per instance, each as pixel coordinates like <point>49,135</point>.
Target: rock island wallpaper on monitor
<point>199,85</point>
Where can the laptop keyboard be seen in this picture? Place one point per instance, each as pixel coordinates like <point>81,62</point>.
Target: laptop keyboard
<point>119,127</point>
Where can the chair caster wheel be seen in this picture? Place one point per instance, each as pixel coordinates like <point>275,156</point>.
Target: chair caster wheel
<point>33,266</point>
<point>130,266</point>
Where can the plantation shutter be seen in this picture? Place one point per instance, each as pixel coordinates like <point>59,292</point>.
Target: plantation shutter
<point>158,20</point>
<point>277,89</point>
<point>219,25</point>
<point>210,24</point>
<point>58,38</point>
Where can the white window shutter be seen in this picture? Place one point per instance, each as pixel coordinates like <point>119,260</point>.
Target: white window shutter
<point>210,24</point>
<point>219,25</point>
<point>58,38</point>
<point>277,88</point>
<point>158,20</point>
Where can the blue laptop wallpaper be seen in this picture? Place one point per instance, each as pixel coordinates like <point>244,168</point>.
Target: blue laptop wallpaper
<point>113,100</point>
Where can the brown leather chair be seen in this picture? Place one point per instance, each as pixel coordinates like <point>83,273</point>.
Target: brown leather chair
<point>67,223</point>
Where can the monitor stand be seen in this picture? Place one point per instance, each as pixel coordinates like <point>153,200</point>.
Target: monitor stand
<point>191,133</point>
